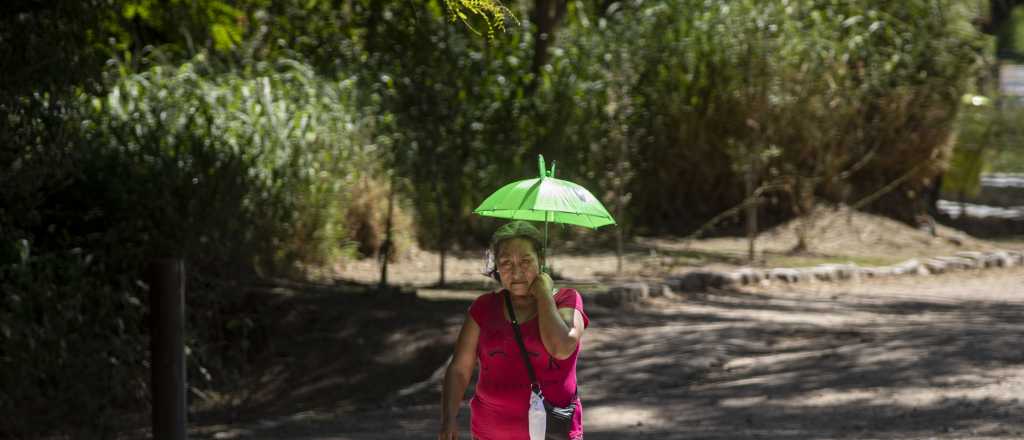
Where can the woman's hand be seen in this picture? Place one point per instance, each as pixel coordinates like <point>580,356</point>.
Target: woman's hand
<point>542,285</point>
<point>449,430</point>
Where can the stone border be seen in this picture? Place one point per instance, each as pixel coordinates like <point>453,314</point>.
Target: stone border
<point>703,280</point>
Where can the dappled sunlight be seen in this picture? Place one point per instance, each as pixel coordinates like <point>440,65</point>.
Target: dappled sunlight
<point>623,416</point>
<point>799,363</point>
<point>759,363</point>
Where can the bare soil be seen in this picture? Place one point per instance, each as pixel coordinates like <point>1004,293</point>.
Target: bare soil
<point>902,358</point>
<point>834,235</point>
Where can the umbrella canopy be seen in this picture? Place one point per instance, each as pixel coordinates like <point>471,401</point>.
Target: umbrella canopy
<point>546,199</point>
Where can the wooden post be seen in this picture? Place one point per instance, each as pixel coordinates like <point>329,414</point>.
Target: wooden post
<point>167,346</point>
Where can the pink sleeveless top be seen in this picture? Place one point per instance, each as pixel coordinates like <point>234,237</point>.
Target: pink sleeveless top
<point>502,397</point>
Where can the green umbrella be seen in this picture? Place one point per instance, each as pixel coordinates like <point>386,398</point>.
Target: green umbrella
<point>546,199</point>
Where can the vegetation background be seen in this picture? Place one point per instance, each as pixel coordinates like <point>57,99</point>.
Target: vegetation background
<point>258,138</point>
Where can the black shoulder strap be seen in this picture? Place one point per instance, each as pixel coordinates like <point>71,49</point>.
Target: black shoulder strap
<point>519,340</point>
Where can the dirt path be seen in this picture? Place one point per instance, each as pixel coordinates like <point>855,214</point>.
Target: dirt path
<point>913,358</point>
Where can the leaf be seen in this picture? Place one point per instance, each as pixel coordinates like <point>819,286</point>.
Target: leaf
<point>225,36</point>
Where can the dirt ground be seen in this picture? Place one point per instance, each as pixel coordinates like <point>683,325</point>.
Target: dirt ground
<point>930,357</point>
<point>834,235</point>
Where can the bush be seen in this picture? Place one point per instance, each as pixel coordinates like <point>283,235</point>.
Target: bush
<point>237,172</point>
<point>367,220</point>
<point>70,331</point>
<point>802,90</point>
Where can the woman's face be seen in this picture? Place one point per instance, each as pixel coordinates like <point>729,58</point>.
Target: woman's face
<point>518,265</point>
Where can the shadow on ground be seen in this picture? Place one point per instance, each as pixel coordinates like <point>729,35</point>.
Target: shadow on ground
<point>738,365</point>
<point>723,365</point>
<point>339,348</point>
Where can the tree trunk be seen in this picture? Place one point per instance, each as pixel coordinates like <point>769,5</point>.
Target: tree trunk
<point>444,251</point>
<point>934,194</point>
<point>805,214</point>
<point>372,23</point>
<point>442,231</point>
<point>751,215</point>
<point>963,204</point>
<point>546,16</point>
<point>618,244</point>
<point>385,252</point>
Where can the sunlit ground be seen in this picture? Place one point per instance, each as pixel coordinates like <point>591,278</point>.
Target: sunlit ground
<point>932,357</point>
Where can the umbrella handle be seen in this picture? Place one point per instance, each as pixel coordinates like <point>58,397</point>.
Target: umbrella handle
<point>544,268</point>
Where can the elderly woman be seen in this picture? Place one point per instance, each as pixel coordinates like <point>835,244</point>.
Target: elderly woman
<point>551,323</point>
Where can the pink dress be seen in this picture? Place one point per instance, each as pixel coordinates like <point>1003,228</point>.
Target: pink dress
<point>502,397</point>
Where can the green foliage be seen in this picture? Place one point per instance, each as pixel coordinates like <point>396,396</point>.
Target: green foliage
<point>1011,35</point>
<point>965,170</point>
<point>805,88</point>
<point>179,26</point>
<point>989,139</point>
<point>1008,137</point>
<point>455,105</point>
<point>979,131</point>
<point>259,136</point>
<point>243,168</point>
<point>1009,160</point>
<point>236,172</point>
<point>67,337</point>
<point>492,12</point>
<point>51,46</point>
<point>645,96</point>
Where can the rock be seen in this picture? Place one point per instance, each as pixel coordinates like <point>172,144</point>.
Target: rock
<point>824,272</point>
<point>658,290</point>
<point>785,274</point>
<point>909,267</point>
<point>624,294</point>
<point>1016,257</point>
<point>834,272</point>
<point>876,272</point>
<point>747,276</point>
<point>733,279</point>
<point>1001,259</point>
<point>698,281</point>
<point>958,263</point>
<point>935,266</point>
<point>702,280</point>
<point>978,257</point>
<point>664,291</point>
<point>848,271</point>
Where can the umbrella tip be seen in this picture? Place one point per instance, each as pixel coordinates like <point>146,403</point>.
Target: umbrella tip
<point>544,171</point>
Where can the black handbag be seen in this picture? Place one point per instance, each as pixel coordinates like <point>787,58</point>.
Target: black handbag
<point>559,418</point>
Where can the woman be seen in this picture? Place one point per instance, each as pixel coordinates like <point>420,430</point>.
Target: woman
<point>551,323</point>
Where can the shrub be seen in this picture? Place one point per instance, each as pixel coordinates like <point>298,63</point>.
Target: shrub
<point>237,172</point>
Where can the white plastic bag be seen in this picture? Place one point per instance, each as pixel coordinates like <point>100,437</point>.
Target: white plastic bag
<point>538,417</point>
